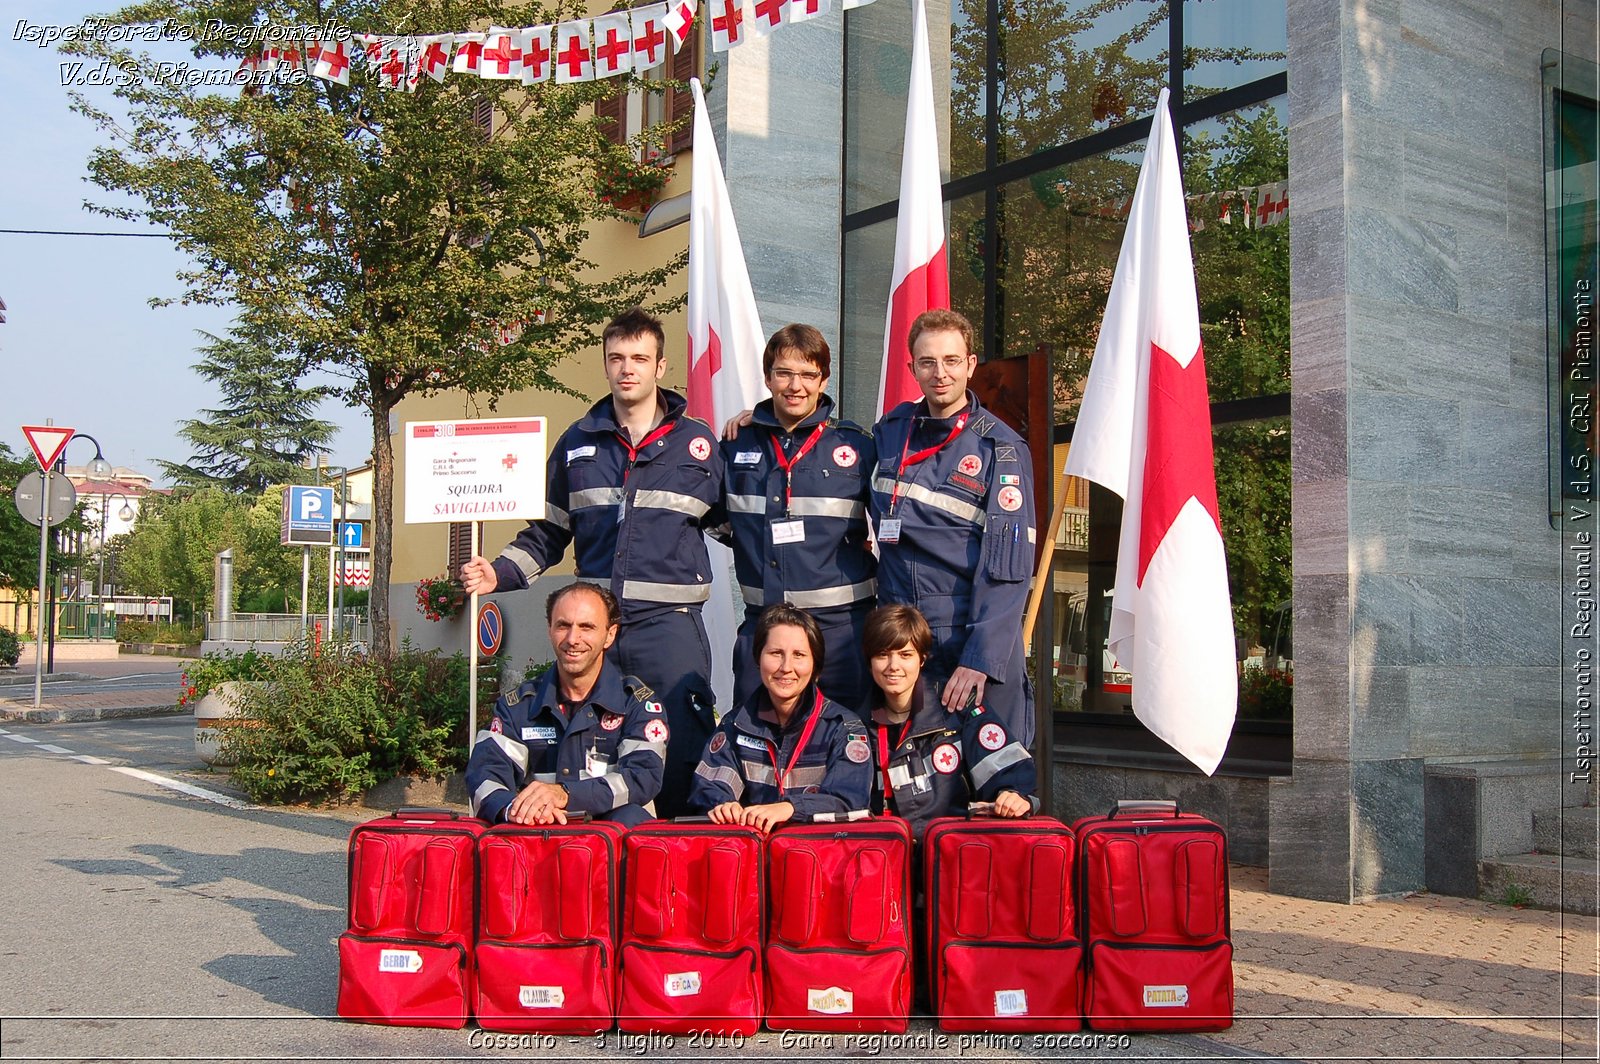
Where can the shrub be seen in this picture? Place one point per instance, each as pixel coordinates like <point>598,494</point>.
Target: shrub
<point>332,722</point>
<point>1266,694</point>
<point>218,667</point>
<point>10,647</point>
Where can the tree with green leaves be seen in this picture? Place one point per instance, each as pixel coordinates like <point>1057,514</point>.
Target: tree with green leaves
<point>404,242</point>
<point>265,428</point>
<point>19,541</point>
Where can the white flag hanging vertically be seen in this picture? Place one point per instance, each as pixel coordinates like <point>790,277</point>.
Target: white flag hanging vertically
<point>725,344</point>
<point>1144,431</point>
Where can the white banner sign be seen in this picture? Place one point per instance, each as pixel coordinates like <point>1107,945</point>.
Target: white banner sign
<point>485,470</point>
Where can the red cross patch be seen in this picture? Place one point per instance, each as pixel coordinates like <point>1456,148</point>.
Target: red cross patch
<point>496,727</point>
<point>718,741</point>
<point>971,465</point>
<point>946,758</point>
<point>611,721</point>
<point>856,750</point>
<point>699,448</point>
<point>991,737</point>
<point>844,456</point>
<point>656,731</point>
<point>1010,499</point>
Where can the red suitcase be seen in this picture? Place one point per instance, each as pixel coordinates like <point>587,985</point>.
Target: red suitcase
<point>547,927</point>
<point>405,958</point>
<point>691,929</point>
<point>1003,951</point>
<point>1153,893</point>
<point>838,954</point>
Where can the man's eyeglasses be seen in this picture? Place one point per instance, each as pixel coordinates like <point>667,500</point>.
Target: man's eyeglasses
<point>789,376</point>
<point>927,367</point>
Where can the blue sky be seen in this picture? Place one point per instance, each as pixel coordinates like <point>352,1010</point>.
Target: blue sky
<point>81,344</point>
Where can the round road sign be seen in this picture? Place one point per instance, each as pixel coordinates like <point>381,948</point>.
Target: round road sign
<point>29,498</point>
<point>491,629</point>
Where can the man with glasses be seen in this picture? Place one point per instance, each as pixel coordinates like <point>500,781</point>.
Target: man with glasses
<point>795,491</point>
<point>952,504</point>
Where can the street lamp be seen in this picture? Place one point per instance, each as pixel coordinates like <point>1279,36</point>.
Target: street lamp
<point>99,467</point>
<point>124,515</point>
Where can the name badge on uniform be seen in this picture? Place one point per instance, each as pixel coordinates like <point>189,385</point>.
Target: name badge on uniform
<point>543,731</point>
<point>899,776</point>
<point>889,530</point>
<point>747,458</point>
<point>789,531</point>
<point>596,765</point>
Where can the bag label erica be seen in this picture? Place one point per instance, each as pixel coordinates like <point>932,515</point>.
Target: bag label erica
<point>683,984</point>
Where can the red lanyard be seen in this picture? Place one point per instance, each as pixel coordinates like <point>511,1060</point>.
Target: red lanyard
<point>922,456</point>
<point>799,747</point>
<point>883,756</point>
<point>633,452</point>
<point>788,464</point>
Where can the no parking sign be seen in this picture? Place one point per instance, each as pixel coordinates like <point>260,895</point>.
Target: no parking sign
<point>491,630</point>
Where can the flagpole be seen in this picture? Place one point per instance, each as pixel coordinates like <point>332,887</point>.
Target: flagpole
<point>472,646</point>
<point>1042,574</point>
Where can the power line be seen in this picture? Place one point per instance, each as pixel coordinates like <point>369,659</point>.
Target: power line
<point>83,232</point>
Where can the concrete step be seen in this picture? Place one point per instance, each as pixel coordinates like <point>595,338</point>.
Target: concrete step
<point>1545,881</point>
<point>1570,832</point>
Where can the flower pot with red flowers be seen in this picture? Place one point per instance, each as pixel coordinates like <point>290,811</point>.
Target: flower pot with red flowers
<point>630,185</point>
<point>440,598</point>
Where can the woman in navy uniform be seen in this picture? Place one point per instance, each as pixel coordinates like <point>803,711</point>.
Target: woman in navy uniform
<point>931,762</point>
<point>787,753</point>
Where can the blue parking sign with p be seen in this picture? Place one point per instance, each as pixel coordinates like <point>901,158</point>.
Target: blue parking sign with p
<point>308,517</point>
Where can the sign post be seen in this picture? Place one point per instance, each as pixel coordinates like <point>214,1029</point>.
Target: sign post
<point>47,443</point>
<point>307,521</point>
<point>472,471</point>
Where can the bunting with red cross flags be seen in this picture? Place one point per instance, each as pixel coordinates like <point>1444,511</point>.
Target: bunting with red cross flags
<point>624,40</point>
<point>613,44</point>
<point>574,60</point>
<point>649,37</point>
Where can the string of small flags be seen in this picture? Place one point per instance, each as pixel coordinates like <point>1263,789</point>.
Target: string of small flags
<point>605,46</point>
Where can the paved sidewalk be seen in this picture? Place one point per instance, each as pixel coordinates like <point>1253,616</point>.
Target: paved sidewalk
<point>92,690</point>
<point>1420,977</point>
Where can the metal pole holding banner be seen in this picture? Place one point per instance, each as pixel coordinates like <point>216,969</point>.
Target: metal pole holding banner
<point>472,649</point>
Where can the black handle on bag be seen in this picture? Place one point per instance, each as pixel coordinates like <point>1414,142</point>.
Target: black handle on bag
<point>1144,807</point>
<point>691,820</point>
<point>425,813</point>
<point>979,810</point>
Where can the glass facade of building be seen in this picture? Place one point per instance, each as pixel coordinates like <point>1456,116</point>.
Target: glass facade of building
<point>1045,107</point>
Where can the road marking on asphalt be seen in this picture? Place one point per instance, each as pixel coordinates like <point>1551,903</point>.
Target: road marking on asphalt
<point>90,759</point>
<point>53,748</point>
<point>182,788</point>
<point>21,738</point>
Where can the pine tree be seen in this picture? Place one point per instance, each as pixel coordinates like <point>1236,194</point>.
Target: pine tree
<point>264,430</point>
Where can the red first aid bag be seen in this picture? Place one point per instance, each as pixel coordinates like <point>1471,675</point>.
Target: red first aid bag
<point>691,929</point>
<point>1153,887</point>
<point>413,880</point>
<point>546,955</point>
<point>838,955</point>
<point>1003,946</point>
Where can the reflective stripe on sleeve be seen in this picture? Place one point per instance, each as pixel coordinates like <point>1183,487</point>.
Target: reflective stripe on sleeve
<point>1005,757</point>
<point>757,772</point>
<point>953,507</point>
<point>594,497</point>
<point>810,776</point>
<point>746,504</point>
<point>676,501</point>
<point>628,746</point>
<point>649,591</point>
<point>619,788</point>
<point>486,788</point>
<point>525,562</point>
<point>557,516</point>
<point>724,775</point>
<point>508,746</point>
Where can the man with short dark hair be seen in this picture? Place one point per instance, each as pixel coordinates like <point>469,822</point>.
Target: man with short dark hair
<point>584,739</point>
<point>630,486</point>
<point>952,503</point>
<point>796,497</point>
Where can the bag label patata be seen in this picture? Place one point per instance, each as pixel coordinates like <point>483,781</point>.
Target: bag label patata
<point>832,1000</point>
<point>682,984</point>
<point>1166,997</point>
<point>404,961</point>
<point>541,997</point>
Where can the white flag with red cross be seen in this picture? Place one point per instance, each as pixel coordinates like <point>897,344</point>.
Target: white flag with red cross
<point>921,278</point>
<point>613,44</point>
<point>1144,431</point>
<point>806,10</point>
<point>725,344</point>
<point>433,57</point>
<point>768,15</point>
<point>649,37</point>
<point>679,20</point>
<point>331,62</point>
<point>469,53</point>
<point>502,55</point>
<point>727,24</point>
<point>538,58</point>
<point>574,57</point>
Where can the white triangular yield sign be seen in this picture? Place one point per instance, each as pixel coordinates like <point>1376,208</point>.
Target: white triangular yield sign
<point>47,441</point>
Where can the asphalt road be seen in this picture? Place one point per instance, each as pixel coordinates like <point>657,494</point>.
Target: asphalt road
<point>144,922</point>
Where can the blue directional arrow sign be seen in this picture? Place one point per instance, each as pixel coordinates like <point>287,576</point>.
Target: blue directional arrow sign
<point>351,534</point>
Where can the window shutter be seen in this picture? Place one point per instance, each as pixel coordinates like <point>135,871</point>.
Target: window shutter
<point>680,102</point>
<point>614,108</point>
<point>460,547</point>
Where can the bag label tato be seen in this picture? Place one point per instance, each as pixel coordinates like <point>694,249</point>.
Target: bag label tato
<point>1011,1002</point>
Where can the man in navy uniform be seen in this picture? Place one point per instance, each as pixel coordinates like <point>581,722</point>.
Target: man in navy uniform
<point>796,498</point>
<point>952,503</point>
<point>630,486</point>
<point>584,739</point>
